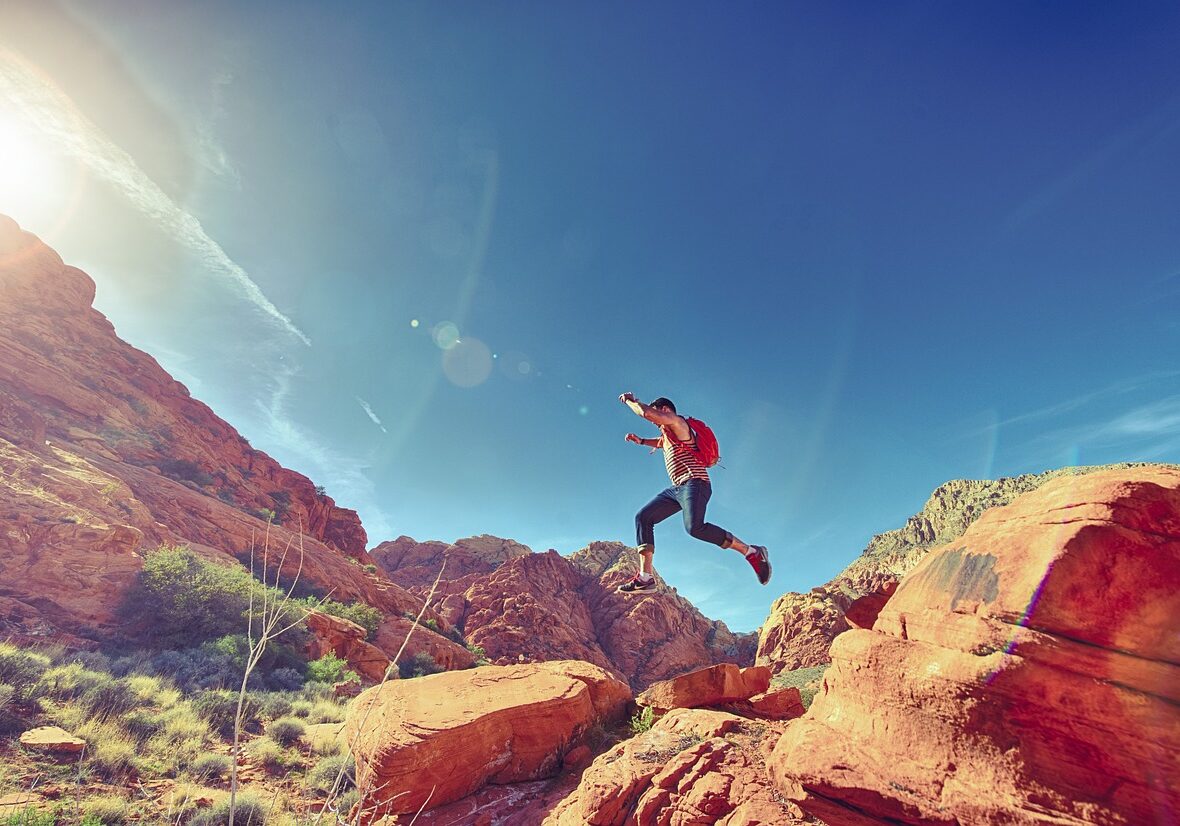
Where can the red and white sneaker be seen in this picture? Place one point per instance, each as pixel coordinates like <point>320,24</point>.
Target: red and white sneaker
<point>759,560</point>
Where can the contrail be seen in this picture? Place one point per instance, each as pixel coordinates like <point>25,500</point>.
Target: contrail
<point>369,411</point>
<point>45,107</point>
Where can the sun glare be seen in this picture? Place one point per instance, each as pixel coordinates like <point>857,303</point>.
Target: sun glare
<point>33,186</point>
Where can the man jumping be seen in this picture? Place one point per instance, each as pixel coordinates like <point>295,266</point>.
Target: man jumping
<point>690,493</point>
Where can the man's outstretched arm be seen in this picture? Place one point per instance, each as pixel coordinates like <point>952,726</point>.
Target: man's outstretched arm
<point>654,416</point>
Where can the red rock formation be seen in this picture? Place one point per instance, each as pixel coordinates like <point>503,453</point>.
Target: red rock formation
<point>440,738</point>
<point>344,639</point>
<point>801,627</point>
<point>1028,672</point>
<point>521,605</point>
<point>692,766</point>
<point>719,684</point>
<point>104,455</point>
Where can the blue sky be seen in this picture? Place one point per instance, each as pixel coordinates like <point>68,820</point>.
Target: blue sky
<point>875,246</point>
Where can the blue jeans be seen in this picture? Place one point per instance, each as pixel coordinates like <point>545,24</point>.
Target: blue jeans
<point>691,497</point>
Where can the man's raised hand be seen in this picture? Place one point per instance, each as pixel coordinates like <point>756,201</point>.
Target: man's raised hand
<point>631,437</point>
<point>627,397</point>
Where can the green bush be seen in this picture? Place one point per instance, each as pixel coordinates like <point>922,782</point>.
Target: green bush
<point>22,670</point>
<point>642,721</point>
<point>300,708</point>
<point>184,470</point>
<point>209,766</point>
<point>109,698</point>
<point>270,754</point>
<point>248,811</point>
<point>275,704</point>
<point>71,681</point>
<point>326,711</point>
<point>219,707</point>
<point>107,809</point>
<point>33,817</point>
<point>286,731</point>
<point>364,615</point>
<point>188,599</point>
<point>419,665</point>
<point>323,774</point>
<point>330,669</point>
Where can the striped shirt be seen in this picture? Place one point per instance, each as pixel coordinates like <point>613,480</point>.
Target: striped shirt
<point>682,464</point>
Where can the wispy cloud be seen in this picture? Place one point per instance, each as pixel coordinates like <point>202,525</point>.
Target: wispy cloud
<point>343,475</point>
<point>43,106</point>
<point>369,412</point>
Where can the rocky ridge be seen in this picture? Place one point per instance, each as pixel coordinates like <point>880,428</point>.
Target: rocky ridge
<point>800,627</point>
<point>522,606</point>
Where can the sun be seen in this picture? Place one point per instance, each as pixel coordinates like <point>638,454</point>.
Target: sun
<point>34,181</point>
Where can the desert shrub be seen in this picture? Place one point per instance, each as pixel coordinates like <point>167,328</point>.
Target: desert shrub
<point>286,679</point>
<point>364,615</point>
<point>300,708</point>
<point>151,689</point>
<point>71,681</point>
<point>109,698</point>
<point>210,765</point>
<point>34,817</point>
<point>108,809</point>
<point>189,599</point>
<point>274,704</point>
<point>182,801</point>
<point>807,680</point>
<point>370,568</point>
<point>323,774</point>
<point>10,721</point>
<point>330,669</point>
<point>419,665</point>
<point>110,751</point>
<point>642,720</point>
<point>219,707</point>
<point>184,470</point>
<point>219,663</point>
<point>326,711</point>
<point>317,691</point>
<point>481,656</point>
<point>286,731</point>
<point>142,724</point>
<point>22,670</point>
<point>270,754</point>
<point>249,810</point>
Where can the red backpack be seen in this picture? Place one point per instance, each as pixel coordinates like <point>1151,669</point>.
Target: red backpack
<point>706,445</point>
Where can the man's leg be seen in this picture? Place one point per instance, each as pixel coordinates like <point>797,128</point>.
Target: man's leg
<point>694,497</point>
<point>657,510</point>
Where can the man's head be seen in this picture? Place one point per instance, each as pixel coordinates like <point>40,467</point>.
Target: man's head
<point>661,402</point>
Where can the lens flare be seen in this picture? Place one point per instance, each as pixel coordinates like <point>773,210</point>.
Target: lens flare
<point>468,363</point>
<point>446,335</point>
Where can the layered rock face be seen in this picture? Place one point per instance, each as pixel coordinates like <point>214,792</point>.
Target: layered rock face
<point>524,606</point>
<point>692,766</point>
<point>437,739</point>
<point>801,627</point>
<point>1027,672</point>
<point>103,456</point>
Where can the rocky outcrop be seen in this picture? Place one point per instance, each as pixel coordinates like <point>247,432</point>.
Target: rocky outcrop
<point>104,456</point>
<point>522,606</point>
<point>437,739</point>
<point>1027,672</point>
<point>713,686</point>
<point>346,640</point>
<point>801,627</point>
<point>52,740</point>
<point>692,766</point>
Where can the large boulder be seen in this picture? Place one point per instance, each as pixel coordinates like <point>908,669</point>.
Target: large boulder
<point>433,740</point>
<point>716,685</point>
<point>693,766</point>
<point>1028,672</point>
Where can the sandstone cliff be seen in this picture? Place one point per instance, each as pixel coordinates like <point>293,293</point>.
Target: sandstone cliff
<point>801,627</point>
<point>103,455</point>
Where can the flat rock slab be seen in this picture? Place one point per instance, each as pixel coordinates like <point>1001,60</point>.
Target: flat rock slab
<point>17,802</point>
<point>53,740</point>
